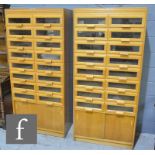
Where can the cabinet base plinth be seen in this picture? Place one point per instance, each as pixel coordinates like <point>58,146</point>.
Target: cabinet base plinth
<point>104,142</point>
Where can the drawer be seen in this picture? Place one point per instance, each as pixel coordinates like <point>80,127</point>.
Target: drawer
<point>120,34</point>
<point>125,48</point>
<point>22,66</point>
<point>84,70</point>
<point>48,88</point>
<point>49,20</point>
<point>22,56</point>
<point>50,99</point>
<point>50,57</point>
<point>50,78</point>
<point>43,67</point>
<point>127,20</point>
<point>19,21</point>
<point>99,34</point>
<point>20,44</point>
<point>22,77</point>
<point>89,95</point>
<point>48,45</point>
<point>90,20</point>
<point>83,103</point>
<point>43,112</point>
<point>114,108</point>
<point>20,33</point>
<point>23,87</point>
<point>120,128</point>
<point>90,47</point>
<point>121,98</point>
<point>89,83</point>
<point>122,87</point>
<point>123,74</point>
<point>23,97</point>
<point>89,124</point>
<point>49,33</point>
<point>124,63</point>
<point>91,60</point>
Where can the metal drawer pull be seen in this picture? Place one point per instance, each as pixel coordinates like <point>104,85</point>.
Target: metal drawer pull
<point>123,66</point>
<point>20,37</point>
<point>120,102</point>
<point>124,54</point>
<point>47,25</point>
<point>121,91</point>
<point>48,49</point>
<point>119,113</point>
<point>90,39</point>
<point>49,104</point>
<point>90,26</point>
<point>20,25</point>
<point>20,48</point>
<point>88,110</point>
<point>125,40</point>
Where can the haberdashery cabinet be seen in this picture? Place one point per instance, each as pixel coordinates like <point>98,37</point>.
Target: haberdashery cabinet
<point>108,59</point>
<point>38,48</point>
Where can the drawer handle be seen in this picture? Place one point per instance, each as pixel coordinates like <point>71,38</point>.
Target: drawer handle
<point>20,48</point>
<point>20,25</point>
<point>22,59</point>
<point>124,54</point>
<point>49,72</point>
<point>48,49</point>
<point>120,113</point>
<point>120,102</point>
<point>125,40</point>
<point>48,62</point>
<point>89,88</point>
<point>49,84</point>
<point>23,70</point>
<point>48,38</point>
<point>121,91</point>
<point>90,64</point>
<point>47,25</point>
<point>123,66</point>
<point>90,39</point>
<point>24,91</point>
<point>126,26</point>
<point>90,52</point>
<point>122,79</point>
<point>90,26</point>
<point>20,37</point>
<point>89,99</point>
<point>49,104</point>
<point>88,110</point>
<point>89,76</point>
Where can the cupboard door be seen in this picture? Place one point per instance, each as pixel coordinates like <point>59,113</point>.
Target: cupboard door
<point>50,117</point>
<point>119,127</point>
<point>89,124</point>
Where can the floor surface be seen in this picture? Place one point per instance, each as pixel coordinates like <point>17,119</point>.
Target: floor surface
<point>45,142</point>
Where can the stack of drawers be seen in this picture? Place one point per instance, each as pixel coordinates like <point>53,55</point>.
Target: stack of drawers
<point>38,66</point>
<point>108,57</point>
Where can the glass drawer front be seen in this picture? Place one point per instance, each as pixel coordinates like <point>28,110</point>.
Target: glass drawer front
<point>21,55</point>
<point>22,77</point>
<point>123,109</point>
<point>118,61</point>
<point>19,20</point>
<point>125,48</point>
<point>48,44</point>
<point>137,21</point>
<point>22,66</point>
<point>90,71</point>
<point>48,20</point>
<point>90,47</point>
<point>90,60</point>
<point>20,33</point>
<point>88,105</point>
<point>49,99</point>
<point>91,21</point>
<point>91,34</point>
<point>126,34</point>
<point>89,94</point>
<point>49,89</point>
<point>48,68</point>
<point>120,97</point>
<point>42,33</point>
<point>23,97</point>
<point>132,34</point>
<point>47,78</point>
<point>48,56</point>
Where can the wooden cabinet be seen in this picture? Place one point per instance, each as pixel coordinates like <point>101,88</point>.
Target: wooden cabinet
<point>108,58</point>
<point>39,66</point>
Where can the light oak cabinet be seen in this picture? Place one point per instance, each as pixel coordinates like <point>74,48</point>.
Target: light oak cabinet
<point>108,58</point>
<point>40,67</point>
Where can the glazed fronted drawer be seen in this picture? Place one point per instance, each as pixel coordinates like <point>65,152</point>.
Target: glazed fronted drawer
<point>108,60</point>
<point>39,73</point>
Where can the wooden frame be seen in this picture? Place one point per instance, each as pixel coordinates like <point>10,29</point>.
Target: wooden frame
<point>117,123</point>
